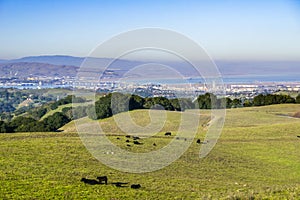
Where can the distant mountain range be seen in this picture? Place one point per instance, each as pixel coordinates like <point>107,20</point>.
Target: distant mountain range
<point>26,69</point>
<point>54,60</point>
<point>59,65</point>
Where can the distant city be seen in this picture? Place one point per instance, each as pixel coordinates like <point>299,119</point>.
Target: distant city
<point>241,79</point>
<point>234,90</point>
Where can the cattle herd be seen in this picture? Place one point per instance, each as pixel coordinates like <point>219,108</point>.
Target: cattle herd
<point>104,180</point>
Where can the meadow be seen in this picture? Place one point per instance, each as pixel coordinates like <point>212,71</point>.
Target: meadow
<point>256,157</point>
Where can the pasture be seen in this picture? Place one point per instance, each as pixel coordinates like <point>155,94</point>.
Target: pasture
<point>256,157</point>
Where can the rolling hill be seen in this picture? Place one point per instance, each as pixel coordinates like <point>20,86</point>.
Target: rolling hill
<point>256,157</point>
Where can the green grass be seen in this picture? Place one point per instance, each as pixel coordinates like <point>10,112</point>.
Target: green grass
<point>59,109</point>
<point>257,157</point>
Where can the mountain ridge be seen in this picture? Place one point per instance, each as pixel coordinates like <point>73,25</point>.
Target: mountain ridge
<point>64,64</point>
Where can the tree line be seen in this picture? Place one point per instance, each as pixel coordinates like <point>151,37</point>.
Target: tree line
<point>111,104</point>
<point>31,121</point>
<point>114,103</point>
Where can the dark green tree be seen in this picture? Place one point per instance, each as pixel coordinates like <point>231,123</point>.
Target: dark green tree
<point>298,99</point>
<point>228,102</point>
<point>5,128</point>
<point>55,121</point>
<point>206,101</point>
<point>20,121</point>
<point>136,102</point>
<point>158,102</point>
<point>236,103</point>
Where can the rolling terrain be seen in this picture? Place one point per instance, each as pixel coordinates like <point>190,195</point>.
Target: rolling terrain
<point>256,157</point>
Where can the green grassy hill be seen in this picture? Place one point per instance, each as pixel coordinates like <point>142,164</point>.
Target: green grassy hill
<point>257,157</point>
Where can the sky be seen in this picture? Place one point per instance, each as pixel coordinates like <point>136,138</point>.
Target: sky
<point>227,30</point>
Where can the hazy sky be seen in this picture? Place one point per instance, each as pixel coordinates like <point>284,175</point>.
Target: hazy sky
<point>231,30</point>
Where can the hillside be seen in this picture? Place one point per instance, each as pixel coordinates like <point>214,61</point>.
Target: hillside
<point>26,69</point>
<point>257,157</point>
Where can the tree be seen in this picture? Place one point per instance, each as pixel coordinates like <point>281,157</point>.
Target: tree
<point>91,112</point>
<point>206,101</point>
<point>136,102</point>
<point>176,104</point>
<point>228,102</point>
<point>55,121</point>
<point>75,112</point>
<point>20,121</point>
<point>298,99</point>
<point>236,103</point>
<point>37,113</point>
<point>102,108</point>
<point>247,103</point>
<point>36,126</point>
<point>259,100</point>
<point>181,104</point>
<point>186,104</point>
<point>118,102</point>
<point>5,128</point>
<point>156,102</point>
<point>68,112</point>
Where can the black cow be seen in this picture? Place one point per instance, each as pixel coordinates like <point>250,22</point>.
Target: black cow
<point>136,142</point>
<point>198,141</point>
<point>128,136</point>
<point>154,144</point>
<point>120,184</point>
<point>168,134</point>
<point>298,136</point>
<point>135,186</point>
<point>135,137</point>
<point>127,141</point>
<point>89,181</point>
<point>102,178</point>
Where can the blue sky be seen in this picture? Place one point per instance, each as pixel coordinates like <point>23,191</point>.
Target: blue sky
<point>228,30</point>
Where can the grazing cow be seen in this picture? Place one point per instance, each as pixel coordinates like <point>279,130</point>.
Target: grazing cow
<point>168,134</point>
<point>118,138</point>
<point>135,186</point>
<point>128,145</point>
<point>89,181</point>
<point>154,144</point>
<point>119,184</point>
<point>135,137</point>
<point>298,136</point>
<point>128,136</point>
<point>102,178</point>
<point>136,142</point>
<point>198,141</point>
<point>127,141</point>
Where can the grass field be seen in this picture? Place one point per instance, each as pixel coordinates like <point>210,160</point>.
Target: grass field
<point>257,157</point>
